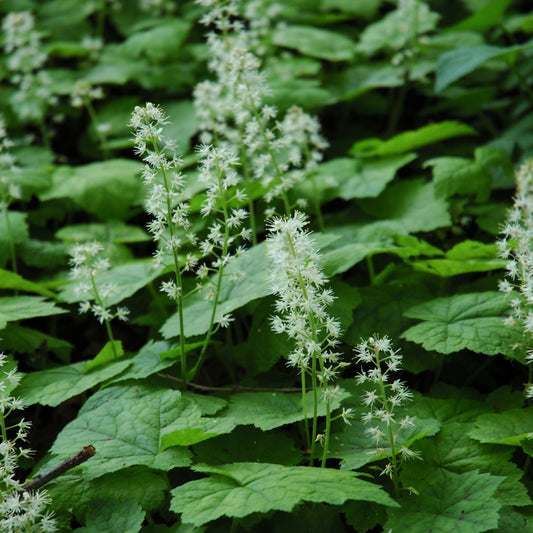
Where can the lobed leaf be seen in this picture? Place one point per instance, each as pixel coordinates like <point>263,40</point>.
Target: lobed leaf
<point>463,504</point>
<point>106,188</point>
<point>55,385</point>
<point>14,308</point>
<point>125,423</point>
<point>240,489</point>
<point>459,62</point>
<point>315,42</point>
<point>509,427</point>
<point>472,321</point>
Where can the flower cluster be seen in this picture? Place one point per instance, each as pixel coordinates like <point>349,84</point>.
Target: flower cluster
<point>298,281</point>
<point>84,93</point>
<point>26,60</point>
<point>167,200</point>
<point>20,511</point>
<point>232,106</point>
<point>222,202</point>
<point>516,247</point>
<point>383,397</point>
<point>86,263</point>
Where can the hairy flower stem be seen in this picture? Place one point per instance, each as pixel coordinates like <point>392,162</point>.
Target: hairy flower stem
<point>314,378</point>
<point>392,439</point>
<point>255,112</point>
<point>96,124</point>
<point>220,274</point>
<point>304,405</point>
<point>177,271</point>
<point>247,184</point>
<point>106,320</point>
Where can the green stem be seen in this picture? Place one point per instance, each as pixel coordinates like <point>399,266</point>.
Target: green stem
<point>177,271</point>
<point>304,405</point>
<point>398,106</point>
<point>318,355</point>
<point>391,437</point>
<point>96,124</point>
<point>218,287</point>
<point>273,158</point>
<point>327,433</point>
<point>247,182</point>
<point>106,321</point>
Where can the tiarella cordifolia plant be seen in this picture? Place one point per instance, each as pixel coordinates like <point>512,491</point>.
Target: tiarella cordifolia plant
<point>166,203</point>
<point>226,232</point>
<point>26,61</point>
<point>82,95</point>
<point>20,511</point>
<point>516,247</point>
<point>383,398</point>
<point>231,107</point>
<point>298,282</point>
<point>171,228</point>
<point>87,262</point>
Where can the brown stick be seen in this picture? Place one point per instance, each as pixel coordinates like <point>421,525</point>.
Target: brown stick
<point>236,388</point>
<point>61,468</point>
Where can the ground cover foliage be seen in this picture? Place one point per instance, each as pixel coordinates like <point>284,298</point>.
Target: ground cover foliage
<point>258,323</point>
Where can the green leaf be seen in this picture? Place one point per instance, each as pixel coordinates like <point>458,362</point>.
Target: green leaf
<point>467,256</point>
<point>127,280</point>
<point>19,339</point>
<point>160,44</point>
<point>10,280</point>
<point>463,504</point>
<point>268,410</point>
<point>110,352</point>
<point>190,427</point>
<point>43,254</point>
<point>384,305</point>
<point>459,62</point>
<point>315,42</point>
<point>509,427</point>
<point>356,449</point>
<point>22,307</point>
<point>458,175</point>
<point>106,188</point>
<point>412,205</point>
<point>146,362</point>
<point>411,140</point>
<point>183,123</point>
<point>17,232</point>
<point>251,284</point>
<point>491,14</point>
<point>453,452</point>
<point>366,10</point>
<point>125,425</point>
<point>73,493</point>
<point>240,489</point>
<point>359,79</point>
<point>473,321</point>
<point>396,29</point>
<point>120,514</point>
<point>111,231</point>
<point>54,386</point>
<point>349,178</point>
